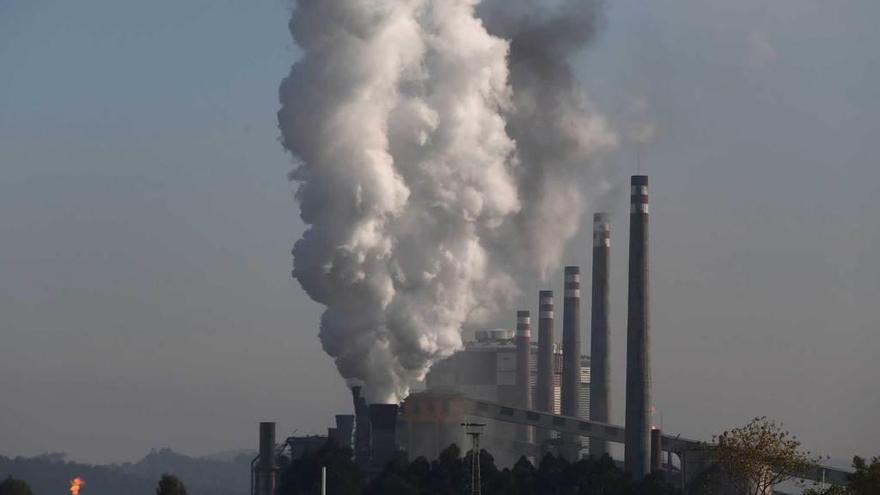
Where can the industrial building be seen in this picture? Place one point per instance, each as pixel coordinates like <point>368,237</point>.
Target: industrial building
<point>485,369</point>
<point>534,396</point>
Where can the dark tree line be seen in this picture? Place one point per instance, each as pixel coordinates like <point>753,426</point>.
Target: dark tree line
<point>449,474</point>
<point>168,485</point>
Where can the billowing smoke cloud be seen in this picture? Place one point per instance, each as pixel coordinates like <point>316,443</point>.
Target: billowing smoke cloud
<point>418,176</point>
<point>559,134</point>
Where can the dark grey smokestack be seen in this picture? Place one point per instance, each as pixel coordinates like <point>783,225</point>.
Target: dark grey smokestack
<point>571,352</point>
<point>383,429</point>
<point>362,428</point>
<point>264,472</point>
<point>638,363</point>
<point>544,388</point>
<point>523,341</point>
<point>656,451</point>
<point>344,429</point>
<point>599,330</point>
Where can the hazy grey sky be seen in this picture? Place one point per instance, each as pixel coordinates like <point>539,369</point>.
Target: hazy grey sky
<point>146,222</point>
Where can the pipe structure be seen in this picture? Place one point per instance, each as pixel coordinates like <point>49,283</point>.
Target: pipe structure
<point>383,431</point>
<point>523,366</point>
<point>544,388</point>
<point>599,330</point>
<point>362,428</point>
<point>264,472</point>
<point>571,355</point>
<point>638,364</point>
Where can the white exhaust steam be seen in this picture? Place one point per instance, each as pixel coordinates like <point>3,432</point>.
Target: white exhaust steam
<point>423,182</point>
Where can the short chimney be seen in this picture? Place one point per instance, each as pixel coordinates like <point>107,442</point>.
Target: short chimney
<point>264,471</point>
<point>383,430</point>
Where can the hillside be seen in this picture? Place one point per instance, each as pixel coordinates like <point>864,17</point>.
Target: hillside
<point>50,474</point>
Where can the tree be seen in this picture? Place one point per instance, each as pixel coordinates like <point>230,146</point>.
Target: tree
<point>760,455</point>
<point>866,478</point>
<point>170,485</point>
<point>831,490</point>
<point>303,475</point>
<point>13,486</point>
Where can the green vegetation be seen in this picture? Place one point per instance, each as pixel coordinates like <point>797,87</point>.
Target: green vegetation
<point>13,486</point>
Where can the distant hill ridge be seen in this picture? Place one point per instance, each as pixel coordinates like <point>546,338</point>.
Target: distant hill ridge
<point>225,473</point>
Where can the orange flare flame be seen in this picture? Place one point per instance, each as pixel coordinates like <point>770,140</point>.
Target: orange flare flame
<point>76,484</point>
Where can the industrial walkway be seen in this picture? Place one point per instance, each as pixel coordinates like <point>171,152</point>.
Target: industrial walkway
<point>612,433</point>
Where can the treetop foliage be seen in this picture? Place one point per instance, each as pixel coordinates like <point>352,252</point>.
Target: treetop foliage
<point>449,474</point>
<point>170,485</point>
<point>12,486</point>
<point>760,455</point>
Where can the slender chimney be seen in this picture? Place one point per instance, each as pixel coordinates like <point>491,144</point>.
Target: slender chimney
<point>264,476</point>
<point>524,366</point>
<point>383,430</point>
<point>544,387</point>
<point>571,354</point>
<point>656,451</point>
<point>638,364</point>
<point>362,428</point>
<point>599,330</point>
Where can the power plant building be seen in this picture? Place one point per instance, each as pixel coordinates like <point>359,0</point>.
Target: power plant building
<point>486,369</point>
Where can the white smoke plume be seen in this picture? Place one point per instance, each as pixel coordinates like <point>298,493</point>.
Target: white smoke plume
<point>560,136</point>
<point>419,199</point>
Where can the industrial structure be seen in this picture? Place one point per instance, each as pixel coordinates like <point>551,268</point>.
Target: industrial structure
<point>638,361</point>
<point>493,368</point>
<point>531,396</point>
<point>600,332</point>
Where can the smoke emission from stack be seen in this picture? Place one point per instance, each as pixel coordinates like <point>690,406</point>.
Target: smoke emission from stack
<point>638,363</point>
<point>422,187</point>
<point>559,134</point>
<point>599,330</point>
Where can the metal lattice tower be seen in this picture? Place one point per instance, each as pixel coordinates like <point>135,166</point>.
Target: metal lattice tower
<point>474,430</point>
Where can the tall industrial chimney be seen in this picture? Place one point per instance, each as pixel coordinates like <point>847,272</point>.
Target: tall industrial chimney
<point>523,366</point>
<point>544,388</point>
<point>383,430</point>
<point>638,364</point>
<point>362,428</point>
<point>264,472</point>
<point>599,330</point>
<point>571,354</point>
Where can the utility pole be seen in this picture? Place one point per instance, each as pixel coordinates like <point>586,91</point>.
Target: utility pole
<point>474,430</point>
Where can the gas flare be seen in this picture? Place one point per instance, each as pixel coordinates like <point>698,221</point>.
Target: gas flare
<point>76,484</point>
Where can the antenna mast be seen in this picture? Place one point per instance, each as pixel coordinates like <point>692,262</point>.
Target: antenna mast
<point>474,430</point>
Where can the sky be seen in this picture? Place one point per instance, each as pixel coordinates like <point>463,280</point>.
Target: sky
<point>146,222</point>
